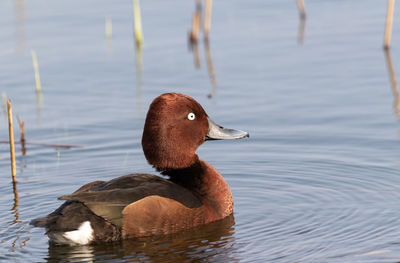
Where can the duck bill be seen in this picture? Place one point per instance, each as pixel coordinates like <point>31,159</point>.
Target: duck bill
<point>217,132</point>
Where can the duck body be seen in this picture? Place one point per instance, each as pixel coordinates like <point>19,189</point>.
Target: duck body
<point>137,205</point>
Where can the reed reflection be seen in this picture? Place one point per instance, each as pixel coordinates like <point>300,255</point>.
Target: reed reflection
<point>14,209</point>
<point>38,107</point>
<point>108,33</point>
<point>17,221</point>
<point>20,29</point>
<point>4,104</point>
<point>22,136</point>
<point>210,66</point>
<point>38,85</point>
<point>139,80</point>
<point>193,41</point>
<point>195,48</point>
<point>213,242</point>
<point>393,81</point>
<point>302,30</point>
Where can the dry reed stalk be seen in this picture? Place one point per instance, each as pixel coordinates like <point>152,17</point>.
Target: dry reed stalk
<point>194,35</point>
<point>137,22</point>
<point>207,19</point>
<point>36,69</point>
<point>12,149</point>
<point>302,9</point>
<point>389,23</point>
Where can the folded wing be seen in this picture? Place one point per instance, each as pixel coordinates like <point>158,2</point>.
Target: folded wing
<point>108,199</point>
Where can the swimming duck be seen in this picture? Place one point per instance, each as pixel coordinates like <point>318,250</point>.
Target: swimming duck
<point>137,205</point>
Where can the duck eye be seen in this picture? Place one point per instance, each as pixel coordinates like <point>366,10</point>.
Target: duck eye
<point>191,116</point>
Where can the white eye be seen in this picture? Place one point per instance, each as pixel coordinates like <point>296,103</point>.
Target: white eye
<point>191,116</point>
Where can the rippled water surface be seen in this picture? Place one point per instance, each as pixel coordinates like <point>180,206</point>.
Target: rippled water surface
<point>319,178</point>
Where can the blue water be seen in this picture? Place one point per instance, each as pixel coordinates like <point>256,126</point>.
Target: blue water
<point>319,178</point>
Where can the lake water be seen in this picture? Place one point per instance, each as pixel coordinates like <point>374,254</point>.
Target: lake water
<point>317,181</point>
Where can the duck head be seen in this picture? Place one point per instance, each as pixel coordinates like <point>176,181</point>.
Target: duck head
<point>176,125</point>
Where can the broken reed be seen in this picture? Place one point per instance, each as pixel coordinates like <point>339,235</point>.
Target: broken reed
<point>137,22</point>
<point>11,135</point>
<point>389,23</point>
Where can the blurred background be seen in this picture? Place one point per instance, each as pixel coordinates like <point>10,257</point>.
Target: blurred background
<point>317,181</point>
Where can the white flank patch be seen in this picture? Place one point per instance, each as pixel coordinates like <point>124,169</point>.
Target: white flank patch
<point>82,236</point>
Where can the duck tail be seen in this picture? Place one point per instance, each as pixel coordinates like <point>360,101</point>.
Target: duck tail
<point>75,223</point>
<point>39,222</point>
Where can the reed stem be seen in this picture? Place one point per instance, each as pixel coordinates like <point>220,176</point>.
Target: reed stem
<point>302,9</point>
<point>207,19</point>
<point>194,35</point>
<point>137,22</point>
<point>389,23</point>
<point>11,135</point>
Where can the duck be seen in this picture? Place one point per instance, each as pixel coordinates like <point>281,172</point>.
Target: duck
<point>189,193</point>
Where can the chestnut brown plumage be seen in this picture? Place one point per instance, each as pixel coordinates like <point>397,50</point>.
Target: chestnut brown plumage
<point>169,139</point>
<point>142,204</point>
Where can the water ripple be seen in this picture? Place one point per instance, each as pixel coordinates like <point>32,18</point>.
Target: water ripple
<point>311,207</point>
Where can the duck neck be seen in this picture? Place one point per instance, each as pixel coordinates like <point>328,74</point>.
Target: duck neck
<point>207,184</point>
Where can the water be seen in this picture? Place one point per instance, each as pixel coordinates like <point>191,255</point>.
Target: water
<point>318,180</point>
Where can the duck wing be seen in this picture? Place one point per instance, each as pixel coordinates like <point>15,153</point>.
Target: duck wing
<point>108,199</point>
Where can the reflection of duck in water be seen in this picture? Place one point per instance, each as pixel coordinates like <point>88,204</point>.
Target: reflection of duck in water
<point>139,205</point>
<point>213,242</point>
